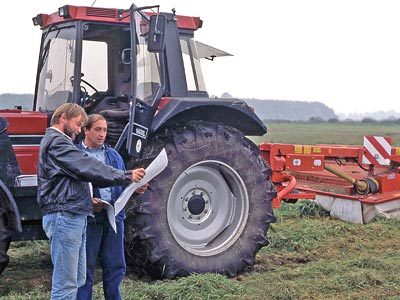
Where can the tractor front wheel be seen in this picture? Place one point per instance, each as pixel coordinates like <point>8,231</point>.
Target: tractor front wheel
<point>208,211</point>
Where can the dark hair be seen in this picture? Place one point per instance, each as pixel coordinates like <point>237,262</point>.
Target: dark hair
<point>71,110</point>
<point>93,119</point>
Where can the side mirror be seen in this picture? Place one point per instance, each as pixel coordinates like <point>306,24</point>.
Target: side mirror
<point>156,41</point>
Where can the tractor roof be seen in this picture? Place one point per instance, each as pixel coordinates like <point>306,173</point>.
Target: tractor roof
<point>107,15</point>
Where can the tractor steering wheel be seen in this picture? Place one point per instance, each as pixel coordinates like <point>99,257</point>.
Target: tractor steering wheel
<point>84,81</point>
<point>90,85</point>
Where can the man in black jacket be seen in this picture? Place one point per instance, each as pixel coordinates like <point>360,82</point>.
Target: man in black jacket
<point>64,196</point>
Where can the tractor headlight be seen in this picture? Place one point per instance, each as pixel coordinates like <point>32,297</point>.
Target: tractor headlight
<point>64,11</point>
<point>38,20</point>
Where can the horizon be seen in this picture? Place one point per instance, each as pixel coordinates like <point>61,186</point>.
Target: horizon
<point>341,116</point>
<point>343,54</point>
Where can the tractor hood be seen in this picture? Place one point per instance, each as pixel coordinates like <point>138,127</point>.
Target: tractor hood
<point>25,122</point>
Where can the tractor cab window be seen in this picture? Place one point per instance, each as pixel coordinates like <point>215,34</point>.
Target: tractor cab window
<point>56,68</point>
<point>191,60</point>
<point>148,64</point>
<point>94,75</point>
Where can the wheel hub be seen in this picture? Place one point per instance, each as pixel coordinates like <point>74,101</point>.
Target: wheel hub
<point>196,205</point>
<point>207,208</point>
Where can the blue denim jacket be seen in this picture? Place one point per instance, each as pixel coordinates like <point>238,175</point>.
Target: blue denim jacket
<point>115,160</point>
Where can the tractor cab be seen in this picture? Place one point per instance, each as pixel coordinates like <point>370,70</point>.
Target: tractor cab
<point>112,61</point>
<point>86,57</point>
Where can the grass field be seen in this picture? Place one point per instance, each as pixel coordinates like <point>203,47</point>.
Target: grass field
<point>327,133</point>
<point>311,256</point>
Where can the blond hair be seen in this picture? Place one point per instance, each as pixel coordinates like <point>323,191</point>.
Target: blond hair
<point>71,110</point>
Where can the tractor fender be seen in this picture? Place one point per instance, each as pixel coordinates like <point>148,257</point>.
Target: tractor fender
<point>231,112</point>
<point>11,207</point>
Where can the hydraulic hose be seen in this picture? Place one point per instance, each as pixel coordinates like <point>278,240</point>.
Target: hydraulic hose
<point>287,189</point>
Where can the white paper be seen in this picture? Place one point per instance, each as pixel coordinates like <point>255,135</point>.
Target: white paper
<point>110,214</point>
<point>155,168</point>
<point>90,189</point>
<point>109,209</point>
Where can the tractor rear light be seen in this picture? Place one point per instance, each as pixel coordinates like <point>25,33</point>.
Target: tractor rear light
<point>63,12</point>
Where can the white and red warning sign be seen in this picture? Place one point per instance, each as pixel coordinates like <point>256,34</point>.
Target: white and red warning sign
<point>377,150</point>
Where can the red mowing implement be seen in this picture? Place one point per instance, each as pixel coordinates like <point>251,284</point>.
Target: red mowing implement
<point>354,183</point>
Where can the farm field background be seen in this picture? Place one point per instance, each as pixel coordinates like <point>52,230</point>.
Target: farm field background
<point>346,133</point>
<point>311,256</point>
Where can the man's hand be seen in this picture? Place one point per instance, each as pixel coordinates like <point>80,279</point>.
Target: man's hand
<point>138,174</point>
<point>142,189</point>
<point>97,205</point>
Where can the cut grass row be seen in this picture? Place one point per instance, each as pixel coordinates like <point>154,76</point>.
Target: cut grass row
<point>311,256</point>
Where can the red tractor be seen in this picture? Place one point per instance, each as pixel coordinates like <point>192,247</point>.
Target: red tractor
<point>210,209</point>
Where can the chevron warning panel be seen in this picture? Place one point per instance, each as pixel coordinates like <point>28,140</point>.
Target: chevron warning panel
<point>377,150</point>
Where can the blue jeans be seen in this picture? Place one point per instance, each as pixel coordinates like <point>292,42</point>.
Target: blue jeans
<point>103,243</point>
<point>67,235</point>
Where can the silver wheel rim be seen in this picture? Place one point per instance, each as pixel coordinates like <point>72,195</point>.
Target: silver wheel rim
<point>207,208</point>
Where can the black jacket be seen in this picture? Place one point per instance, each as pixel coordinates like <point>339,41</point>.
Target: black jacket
<point>64,171</point>
<point>115,160</point>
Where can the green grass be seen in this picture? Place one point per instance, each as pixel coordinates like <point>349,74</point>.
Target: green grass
<point>327,133</point>
<point>311,255</point>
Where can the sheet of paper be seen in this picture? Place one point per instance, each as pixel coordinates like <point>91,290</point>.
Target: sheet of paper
<point>155,168</point>
<point>110,214</point>
<point>90,189</point>
<point>109,209</point>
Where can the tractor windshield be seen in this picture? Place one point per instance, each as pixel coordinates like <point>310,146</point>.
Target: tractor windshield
<point>56,68</point>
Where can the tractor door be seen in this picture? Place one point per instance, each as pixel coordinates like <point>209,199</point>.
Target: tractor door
<point>147,80</point>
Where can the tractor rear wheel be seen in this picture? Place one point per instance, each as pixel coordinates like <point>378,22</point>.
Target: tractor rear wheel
<point>208,211</point>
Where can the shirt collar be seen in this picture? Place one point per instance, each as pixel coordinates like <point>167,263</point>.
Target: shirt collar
<point>88,148</point>
<point>60,132</point>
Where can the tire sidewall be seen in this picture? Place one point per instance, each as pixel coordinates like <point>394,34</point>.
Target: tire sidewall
<point>211,142</point>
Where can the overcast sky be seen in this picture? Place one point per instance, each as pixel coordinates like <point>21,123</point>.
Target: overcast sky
<point>344,53</point>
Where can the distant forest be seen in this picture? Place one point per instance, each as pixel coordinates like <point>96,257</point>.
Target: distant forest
<point>291,110</point>
<point>9,101</point>
<point>265,109</point>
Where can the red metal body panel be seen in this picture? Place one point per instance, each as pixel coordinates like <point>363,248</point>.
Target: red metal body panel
<point>25,122</point>
<point>388,182</point>
<point>312,180</point>
<point>27,157</point>
<point>110,15</point>
<point>395,154</point>
<point>299,162</point>
<point>326,150</point>
<point>164,101</point>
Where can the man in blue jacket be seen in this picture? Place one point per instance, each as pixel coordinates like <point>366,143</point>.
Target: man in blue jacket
<point>64,196</point>
<point>102,242</point>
